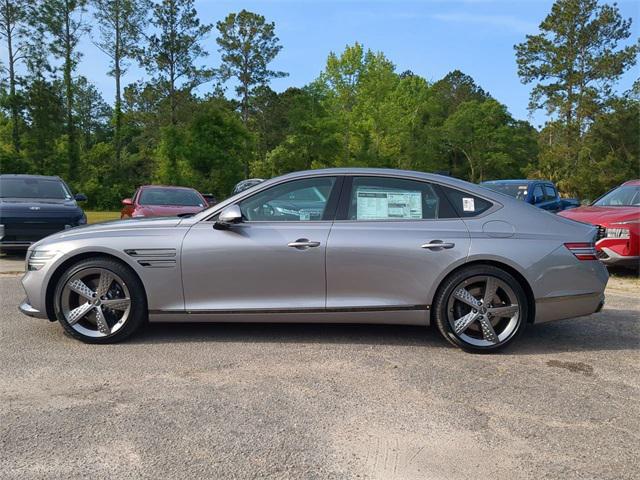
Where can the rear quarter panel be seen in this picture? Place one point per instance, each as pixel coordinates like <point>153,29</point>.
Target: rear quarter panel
<point>535,248</point>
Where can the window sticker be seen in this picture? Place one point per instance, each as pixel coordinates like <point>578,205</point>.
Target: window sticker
<point>468,205</point>
<point>305,215</point>
<point>375,204</point>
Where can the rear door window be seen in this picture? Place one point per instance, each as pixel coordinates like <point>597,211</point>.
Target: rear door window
<point>549,193</point>
<point>388,198</point>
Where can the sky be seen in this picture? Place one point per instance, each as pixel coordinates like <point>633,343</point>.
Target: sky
<point>428,37</point>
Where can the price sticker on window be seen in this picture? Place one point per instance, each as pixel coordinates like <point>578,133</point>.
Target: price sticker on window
<point>468,205</point>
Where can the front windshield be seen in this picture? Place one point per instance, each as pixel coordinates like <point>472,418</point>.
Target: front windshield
<point>33,188</point>
<point>625,196</point>
<point>170,196</point>
<point>515,190</point>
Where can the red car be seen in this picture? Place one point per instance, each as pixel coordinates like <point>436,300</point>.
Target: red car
<point>617,216</point>
<point>162,201</point>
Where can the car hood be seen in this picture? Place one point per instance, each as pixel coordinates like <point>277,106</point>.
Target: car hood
<point>113,228</point>
<point>602,215</point>
<point>37,206</point>
<point>168,210</point>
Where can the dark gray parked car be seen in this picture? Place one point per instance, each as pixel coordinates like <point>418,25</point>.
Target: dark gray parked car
<point>338,245</point>
<point>34,206</point>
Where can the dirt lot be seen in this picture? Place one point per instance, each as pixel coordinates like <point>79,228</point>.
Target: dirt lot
<point>295,401</point>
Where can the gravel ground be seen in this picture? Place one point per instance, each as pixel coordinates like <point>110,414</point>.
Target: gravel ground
<point>11,263</point>
<point>304,402</point>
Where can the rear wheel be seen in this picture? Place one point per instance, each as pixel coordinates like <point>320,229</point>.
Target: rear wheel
<point>481,308</point>
<point>100,301</point>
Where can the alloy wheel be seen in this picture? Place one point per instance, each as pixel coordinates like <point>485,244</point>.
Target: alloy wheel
<point>483,311</point>
<point>95,302</point>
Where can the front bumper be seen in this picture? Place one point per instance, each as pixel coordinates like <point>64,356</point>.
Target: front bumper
<point>15,245</point>
<point>19,234</point>
<point>30,311</point>
<point>34,305</point>
<point>611,257</point>
<point>568,306</point>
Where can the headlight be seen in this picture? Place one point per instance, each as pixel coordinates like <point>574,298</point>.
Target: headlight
<point>39,258</point>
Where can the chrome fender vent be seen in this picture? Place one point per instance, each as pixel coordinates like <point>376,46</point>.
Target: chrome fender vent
<point>154,257</point>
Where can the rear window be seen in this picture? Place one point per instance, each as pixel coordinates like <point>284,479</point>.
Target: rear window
<point>33,188</point>
<point>466,204</point>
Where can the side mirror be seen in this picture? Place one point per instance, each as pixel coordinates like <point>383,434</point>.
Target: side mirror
<point>127,202</point>
<point>537,200</point>
<point>80,197</point>
<point>229,216</point>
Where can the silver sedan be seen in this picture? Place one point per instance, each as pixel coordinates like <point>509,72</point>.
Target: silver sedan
<point>337,245</point>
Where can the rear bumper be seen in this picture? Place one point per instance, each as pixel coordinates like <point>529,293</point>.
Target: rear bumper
<point>28,310</point>
<point>568,306</point>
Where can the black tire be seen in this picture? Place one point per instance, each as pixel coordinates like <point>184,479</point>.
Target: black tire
<point>138,307</point>
<point>443,300</point>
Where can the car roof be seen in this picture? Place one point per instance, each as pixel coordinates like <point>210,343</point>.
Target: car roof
<point>24,175</point>
<point>511,180</point>
<point>167,186</point>
<point>433,177</point>
<point>632,182</point>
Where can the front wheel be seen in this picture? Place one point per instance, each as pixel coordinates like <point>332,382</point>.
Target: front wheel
<point>481,308</point>
<point>100,301</point>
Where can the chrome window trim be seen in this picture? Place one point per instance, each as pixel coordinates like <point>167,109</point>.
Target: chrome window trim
<point>496,205</point>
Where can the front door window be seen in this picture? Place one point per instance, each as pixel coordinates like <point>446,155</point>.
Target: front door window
<point>297,201</point>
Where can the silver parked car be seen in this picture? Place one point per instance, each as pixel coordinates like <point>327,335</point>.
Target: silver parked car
<point>337,245</point>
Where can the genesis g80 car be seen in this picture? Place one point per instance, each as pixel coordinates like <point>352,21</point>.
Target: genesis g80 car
<point>336,245</point>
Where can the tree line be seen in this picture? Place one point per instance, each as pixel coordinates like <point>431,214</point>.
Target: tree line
<point>360,111</point>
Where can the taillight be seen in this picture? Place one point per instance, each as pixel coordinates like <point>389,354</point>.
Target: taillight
<point>582,251</point>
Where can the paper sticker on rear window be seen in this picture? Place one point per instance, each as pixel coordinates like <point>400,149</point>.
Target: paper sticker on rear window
<point>380,204</point>
<point>468,205</point>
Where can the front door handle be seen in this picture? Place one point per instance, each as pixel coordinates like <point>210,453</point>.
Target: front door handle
<point>437,245</point>
<point>303,244</point>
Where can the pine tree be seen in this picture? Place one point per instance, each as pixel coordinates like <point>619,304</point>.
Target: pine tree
<point>121,24</point>
<point>62,24</point>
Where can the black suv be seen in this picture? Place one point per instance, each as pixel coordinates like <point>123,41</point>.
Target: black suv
<point>34,206</point>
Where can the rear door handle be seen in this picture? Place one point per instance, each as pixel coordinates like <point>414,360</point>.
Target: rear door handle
<point>303,244</point>
<point>438,244</point>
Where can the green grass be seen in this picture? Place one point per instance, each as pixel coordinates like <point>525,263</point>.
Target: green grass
<point>97,217</point>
